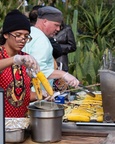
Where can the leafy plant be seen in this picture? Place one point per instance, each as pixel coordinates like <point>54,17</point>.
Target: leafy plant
<point>93,24</point>
<point>5,6</point>
<point>96,34</point>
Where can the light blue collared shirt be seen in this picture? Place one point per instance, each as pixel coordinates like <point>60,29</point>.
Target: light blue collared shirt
<point>41,49</point>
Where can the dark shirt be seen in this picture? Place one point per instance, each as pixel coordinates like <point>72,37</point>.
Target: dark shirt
<point>57,50</point>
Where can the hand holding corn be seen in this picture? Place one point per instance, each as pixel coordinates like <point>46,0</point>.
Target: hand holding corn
<point>26,60</point>
<point>40,77</point>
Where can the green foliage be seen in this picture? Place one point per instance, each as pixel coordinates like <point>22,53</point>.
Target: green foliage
<point>96,27</point>
<point>5,7</point>
<point>93,24</point>
<point>98,24</point>
<point>74,23</point>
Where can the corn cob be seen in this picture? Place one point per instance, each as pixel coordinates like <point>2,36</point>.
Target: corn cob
<point>81,112</point>
<point>99,111</point>
<point>97,97</point>
<point>36,84</point>
<point>100,118</point>
<point>78,117</point>
<point>45,83</point>
<point>94,102</point>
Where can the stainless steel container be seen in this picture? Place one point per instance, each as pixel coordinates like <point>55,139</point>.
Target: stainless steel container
<point>16,129</point>
<point>107,81</point>
<point>46,125</point>
<point>16,136</point>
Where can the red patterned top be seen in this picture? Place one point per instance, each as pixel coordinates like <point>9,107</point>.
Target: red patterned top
<point>16,84</point>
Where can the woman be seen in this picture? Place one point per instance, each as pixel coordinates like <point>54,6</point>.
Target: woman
<point>13,63</point>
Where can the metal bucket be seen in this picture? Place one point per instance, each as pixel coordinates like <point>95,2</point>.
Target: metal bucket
<point>46,125</point>
<point>107,81</point>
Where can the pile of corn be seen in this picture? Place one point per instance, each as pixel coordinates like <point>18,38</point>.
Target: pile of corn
<point>85,109</point>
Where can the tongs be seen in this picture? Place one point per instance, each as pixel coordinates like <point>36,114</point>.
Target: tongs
<point>45,105</point>
<point>87,90</point>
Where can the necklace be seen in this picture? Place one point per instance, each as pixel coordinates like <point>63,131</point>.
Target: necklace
<point>15,91</point>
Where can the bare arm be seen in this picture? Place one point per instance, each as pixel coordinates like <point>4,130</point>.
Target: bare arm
<point>26,60</point>
<point>70,79</point>
<point>33,96</point>
<point>56,74</point>
<point>4,63</point>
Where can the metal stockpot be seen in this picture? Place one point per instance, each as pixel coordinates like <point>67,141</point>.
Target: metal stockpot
<point>46,125</point>
<point>107,79</point>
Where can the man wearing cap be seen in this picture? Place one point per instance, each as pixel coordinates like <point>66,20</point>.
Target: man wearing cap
<point>47,25</point>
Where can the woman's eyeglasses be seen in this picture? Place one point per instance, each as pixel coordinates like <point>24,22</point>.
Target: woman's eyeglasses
<point>19,37</point>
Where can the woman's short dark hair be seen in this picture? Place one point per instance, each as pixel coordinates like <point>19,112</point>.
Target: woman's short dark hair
<point>34,14</point>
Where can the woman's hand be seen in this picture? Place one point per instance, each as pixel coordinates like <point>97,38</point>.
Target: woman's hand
<point>28,61</point>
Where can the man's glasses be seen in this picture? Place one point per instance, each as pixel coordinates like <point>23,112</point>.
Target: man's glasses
<point>19,37</point>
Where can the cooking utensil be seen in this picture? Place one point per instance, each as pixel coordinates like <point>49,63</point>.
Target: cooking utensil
<point>46,126</point>
<point>84,88</point>
<point>87,90</point>
<point>46,105</point>
<point>107,79</point>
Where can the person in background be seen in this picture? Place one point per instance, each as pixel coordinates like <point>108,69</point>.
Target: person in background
<point>33,15</point>
<point>48,24</point>
<point>65,38</point>
<point>14,79</point>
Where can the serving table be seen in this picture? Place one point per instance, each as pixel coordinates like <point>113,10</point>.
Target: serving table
<point>78,134</point>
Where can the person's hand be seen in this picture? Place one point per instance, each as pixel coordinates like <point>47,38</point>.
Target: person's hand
<point>52,98</point>
<point>46,96</point>
<point>71,80</point>
<point>44,93</point>
<point>28,61</point>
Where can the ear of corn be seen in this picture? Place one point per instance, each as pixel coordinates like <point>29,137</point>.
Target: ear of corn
<point>100,118</point>
<point>45,83</point>
<point>78,117</point>
<point>36,84</point>
<point>93,102</point>
<point>87,109</point>
<point>81,112</point>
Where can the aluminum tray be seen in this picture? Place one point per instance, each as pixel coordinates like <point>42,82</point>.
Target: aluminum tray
<point>16,129</point>
<point>18,135</point>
